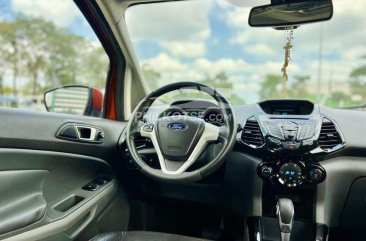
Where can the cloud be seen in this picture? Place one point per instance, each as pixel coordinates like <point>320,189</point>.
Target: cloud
<point>259,49</point>
<point>238,17</point>
<point>169,21</point>
<point>343,7</point>
<point>241,3</point>
<point>175,26</point>
<point>185,49</point>
<point>164,63</point>
<point>62,13</point>
<point>227,65</point>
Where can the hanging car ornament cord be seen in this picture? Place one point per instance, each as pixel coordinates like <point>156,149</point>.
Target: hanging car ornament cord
<point>287,48</point>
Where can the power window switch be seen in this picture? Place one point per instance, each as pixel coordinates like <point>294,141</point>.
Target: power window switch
<point>91,186</point>
<point>102,180</point>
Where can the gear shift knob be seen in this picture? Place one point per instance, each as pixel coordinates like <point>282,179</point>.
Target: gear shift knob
<point>285,214</point>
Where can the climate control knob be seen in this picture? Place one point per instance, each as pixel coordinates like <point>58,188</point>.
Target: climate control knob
<point>266,171</point>
<point>290,174</point>
<point>316,175</point>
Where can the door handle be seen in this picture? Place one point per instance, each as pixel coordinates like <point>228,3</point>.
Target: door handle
<point>81,133</point>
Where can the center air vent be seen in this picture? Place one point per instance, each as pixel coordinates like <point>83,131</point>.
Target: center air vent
<point>329,137</point>
<point>252,134</point>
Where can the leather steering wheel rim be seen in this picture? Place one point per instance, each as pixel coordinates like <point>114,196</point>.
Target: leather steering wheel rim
<point>227,134</point>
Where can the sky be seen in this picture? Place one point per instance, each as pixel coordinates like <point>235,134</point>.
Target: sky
<point>188,40</point>
<point>63,13</point>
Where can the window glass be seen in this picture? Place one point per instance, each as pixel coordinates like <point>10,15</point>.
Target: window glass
<point>46,44</point>
<point>210,41</point>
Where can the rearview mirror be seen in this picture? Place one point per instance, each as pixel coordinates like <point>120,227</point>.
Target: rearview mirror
<point>74,99</point>
<point>291,13</point>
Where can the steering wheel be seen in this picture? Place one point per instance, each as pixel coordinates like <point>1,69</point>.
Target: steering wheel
<point>180,140</point>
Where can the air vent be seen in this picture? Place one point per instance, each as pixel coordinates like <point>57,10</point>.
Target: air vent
<point>251,134</point>
<point>329,137</point>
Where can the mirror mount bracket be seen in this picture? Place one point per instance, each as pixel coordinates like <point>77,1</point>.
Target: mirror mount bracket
<point>286,27</point>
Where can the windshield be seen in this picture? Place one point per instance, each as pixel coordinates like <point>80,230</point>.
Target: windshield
<point>210,41</point>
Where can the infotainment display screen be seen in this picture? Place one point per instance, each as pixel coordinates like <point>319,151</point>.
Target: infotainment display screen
<point>287,107</point>
<point>285,110</point>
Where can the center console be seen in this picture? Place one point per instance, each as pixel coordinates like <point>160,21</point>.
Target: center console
<point>292,137</point>
<point>289,142</point>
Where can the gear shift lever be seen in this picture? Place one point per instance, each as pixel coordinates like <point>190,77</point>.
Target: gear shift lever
<point>285,214</point>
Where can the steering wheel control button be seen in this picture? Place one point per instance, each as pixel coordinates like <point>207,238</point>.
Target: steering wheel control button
<point>148,128</point>
<point>290,174</point>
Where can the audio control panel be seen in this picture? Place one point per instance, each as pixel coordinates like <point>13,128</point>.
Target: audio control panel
<point>289,142</point>
<point>290,134</point>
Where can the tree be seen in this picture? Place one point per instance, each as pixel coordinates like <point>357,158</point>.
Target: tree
<point>10,52</point>
<point>339,99</point>
<point>358,72</point>
<point>47,50</point>
<point>46,56</point>
<point>358,83</point>
<point>221,82</point>
<point>271,87</point>
<point>151,76</point>
<point>94,67</point>
<point>299,87</point>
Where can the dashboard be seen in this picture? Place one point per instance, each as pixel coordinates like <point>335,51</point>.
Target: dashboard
<point>290,136</point>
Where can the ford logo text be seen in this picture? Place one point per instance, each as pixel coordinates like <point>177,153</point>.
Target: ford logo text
<point>177,126</point>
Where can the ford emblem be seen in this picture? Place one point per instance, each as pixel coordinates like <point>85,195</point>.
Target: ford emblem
<point>177,126</point>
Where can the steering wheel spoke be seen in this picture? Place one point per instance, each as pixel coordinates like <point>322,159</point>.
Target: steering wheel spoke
<point>224,133</point>
<point>146,130</point>
<point>136,128</point>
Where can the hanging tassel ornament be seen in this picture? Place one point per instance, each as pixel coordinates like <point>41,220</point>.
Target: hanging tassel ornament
<point>287,48</point>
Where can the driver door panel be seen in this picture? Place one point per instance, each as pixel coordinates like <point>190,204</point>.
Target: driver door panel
<point>42,177</point>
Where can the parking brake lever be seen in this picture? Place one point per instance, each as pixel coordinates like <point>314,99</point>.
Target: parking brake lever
<point>285,213</point>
